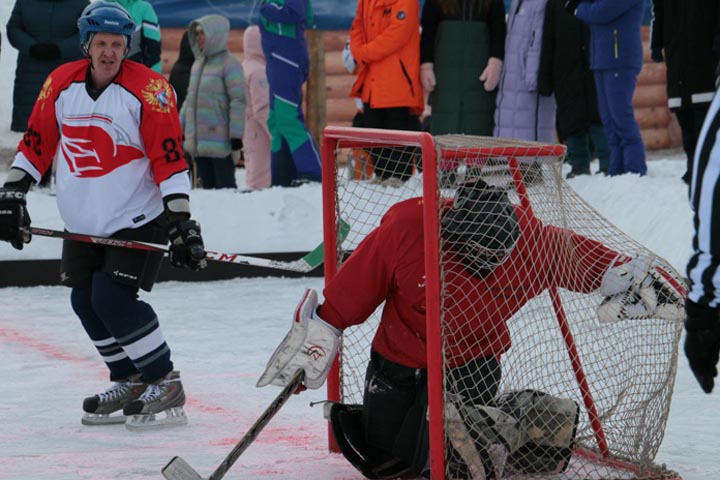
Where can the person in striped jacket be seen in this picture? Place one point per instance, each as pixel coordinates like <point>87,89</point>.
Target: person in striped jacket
<point>702,343</point>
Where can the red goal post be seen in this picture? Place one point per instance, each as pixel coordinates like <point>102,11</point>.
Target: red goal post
<point>558,346</point>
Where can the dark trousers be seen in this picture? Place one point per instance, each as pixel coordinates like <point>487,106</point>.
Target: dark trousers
<point>392,162</point>
<point>395,405</point>
<point>580,146</point>
<point>691,121</point>
<point>615,89</point>
<point>216,172</point>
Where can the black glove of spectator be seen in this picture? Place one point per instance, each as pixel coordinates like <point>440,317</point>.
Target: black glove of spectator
<point>45,51</point>
<point>14,218</point>
<point>186,245</point>
<point>702,343</point>
<point>571,5</point>
<point>657,55</point>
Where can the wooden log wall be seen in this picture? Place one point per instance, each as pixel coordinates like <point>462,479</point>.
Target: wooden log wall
<point>658,125</point>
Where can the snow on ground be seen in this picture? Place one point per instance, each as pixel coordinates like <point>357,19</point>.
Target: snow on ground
<point>222,333</point>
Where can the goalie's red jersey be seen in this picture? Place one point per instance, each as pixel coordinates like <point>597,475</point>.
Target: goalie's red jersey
<point>117,155</point>
<point>388,266</point>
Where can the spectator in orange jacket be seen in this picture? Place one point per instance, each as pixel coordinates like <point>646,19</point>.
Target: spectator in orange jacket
<point>385,45</point>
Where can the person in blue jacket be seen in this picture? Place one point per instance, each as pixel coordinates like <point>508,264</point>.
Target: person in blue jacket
<point>616,58</point>
<point>295,156</point>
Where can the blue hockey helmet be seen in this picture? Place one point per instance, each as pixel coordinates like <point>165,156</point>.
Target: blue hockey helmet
<point>106,17</point>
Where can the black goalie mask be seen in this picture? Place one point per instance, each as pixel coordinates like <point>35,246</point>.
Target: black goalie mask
<point>481,227</point>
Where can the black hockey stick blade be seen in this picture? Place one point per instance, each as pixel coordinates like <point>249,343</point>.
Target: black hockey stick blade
<point>179,469</point>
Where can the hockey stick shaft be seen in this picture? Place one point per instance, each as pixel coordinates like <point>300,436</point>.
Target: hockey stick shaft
<point>305,264</point>
<point>179,469</point>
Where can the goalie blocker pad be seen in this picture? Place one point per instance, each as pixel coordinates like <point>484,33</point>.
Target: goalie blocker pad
<point>655,292</point>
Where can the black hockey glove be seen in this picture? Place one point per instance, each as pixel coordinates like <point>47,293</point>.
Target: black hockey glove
<point>702,343</point>
<point>14,218</point>
<point>571,5</point>
<point>186,245</point>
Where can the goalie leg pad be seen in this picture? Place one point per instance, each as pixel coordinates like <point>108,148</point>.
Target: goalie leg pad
<point>483,436</point>
<point>547,424</point>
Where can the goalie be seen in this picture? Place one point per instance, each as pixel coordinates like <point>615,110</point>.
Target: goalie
<point>497,257</point>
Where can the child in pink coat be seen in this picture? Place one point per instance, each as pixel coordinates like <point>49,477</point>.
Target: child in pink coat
<point>256,139</point>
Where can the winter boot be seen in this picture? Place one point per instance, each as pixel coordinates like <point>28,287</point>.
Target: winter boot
<point>99,408</point>
<point>161,404</point>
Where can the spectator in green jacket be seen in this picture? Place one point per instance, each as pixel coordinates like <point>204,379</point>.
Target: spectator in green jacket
<point>145,45</point>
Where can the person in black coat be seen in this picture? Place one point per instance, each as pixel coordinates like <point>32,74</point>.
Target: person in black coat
<point>565,71</point>
<point>689,32</point>
<point>45,34</point>
<point>180,73</point>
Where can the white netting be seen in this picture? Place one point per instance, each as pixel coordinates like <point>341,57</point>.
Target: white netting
<point>620,375</point>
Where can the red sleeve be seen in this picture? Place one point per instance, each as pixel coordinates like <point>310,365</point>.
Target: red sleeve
<point>160,126</point>
<point>357,34</point>
<point>42,135</point>
<point>576,263</point>
<point>362,283</point>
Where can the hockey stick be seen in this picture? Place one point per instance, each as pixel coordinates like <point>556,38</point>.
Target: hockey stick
<point>179,469</point>
<point>307,263</point>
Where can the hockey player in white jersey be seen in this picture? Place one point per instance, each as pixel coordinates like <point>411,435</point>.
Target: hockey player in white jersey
<point>114,127</point>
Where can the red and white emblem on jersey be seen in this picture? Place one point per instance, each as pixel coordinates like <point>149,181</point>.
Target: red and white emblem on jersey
<point>157,93</point>
<point>94,146</point>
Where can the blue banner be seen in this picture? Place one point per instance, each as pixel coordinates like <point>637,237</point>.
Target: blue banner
<point>329,14</point>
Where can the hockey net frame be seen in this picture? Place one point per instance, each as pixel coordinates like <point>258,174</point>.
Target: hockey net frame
<point>602,449</point>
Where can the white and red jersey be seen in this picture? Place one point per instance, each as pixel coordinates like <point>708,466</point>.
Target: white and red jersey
<point>388,266</point>
<point>117,155</point>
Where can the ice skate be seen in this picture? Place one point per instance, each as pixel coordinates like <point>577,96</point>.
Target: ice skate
<point>160,405</point>
<point>99,409</point>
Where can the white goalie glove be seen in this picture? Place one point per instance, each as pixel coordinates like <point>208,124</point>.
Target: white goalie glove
<point>644,287</point>
<point>310,345</point>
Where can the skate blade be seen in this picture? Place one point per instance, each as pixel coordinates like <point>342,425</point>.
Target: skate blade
<point>93,419</point>
<point>166,418</point>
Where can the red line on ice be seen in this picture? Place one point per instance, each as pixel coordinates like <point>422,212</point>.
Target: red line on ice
<point>13,336</point>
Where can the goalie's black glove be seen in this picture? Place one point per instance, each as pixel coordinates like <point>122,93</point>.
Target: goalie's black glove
<point>702,343</point>
<point>187,249</point>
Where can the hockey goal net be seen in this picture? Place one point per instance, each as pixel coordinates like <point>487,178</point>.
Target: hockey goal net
<point>619,375</point>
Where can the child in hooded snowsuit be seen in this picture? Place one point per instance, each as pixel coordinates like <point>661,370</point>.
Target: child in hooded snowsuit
<point>213,115</point>
<point>295,157</point>
<point>256,139</point>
